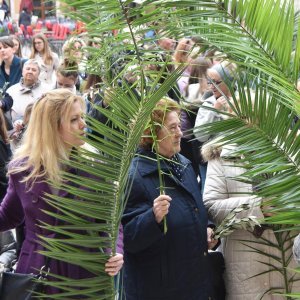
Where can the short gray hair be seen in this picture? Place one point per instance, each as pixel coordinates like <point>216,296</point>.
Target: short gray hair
<point>32,62</point>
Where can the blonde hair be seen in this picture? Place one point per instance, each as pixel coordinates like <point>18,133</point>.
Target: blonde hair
<point>42,149</point>
<point>68,47</point>
<point>47,53</point>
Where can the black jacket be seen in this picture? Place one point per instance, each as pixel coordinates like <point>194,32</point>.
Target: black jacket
<point>5,154</point>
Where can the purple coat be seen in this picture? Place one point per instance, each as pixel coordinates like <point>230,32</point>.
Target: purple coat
<point>22,204</point>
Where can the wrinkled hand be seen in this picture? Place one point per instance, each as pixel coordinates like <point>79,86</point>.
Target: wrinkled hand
<point>114,264</point>
<point>161,206</point>
<point>221,104</point>
<point>211,242</point>
<point>18,125</point>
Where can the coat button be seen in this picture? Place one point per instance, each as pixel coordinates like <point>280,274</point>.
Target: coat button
<point>196,209</point>
<point>35,199</point>
<point>205,253</point>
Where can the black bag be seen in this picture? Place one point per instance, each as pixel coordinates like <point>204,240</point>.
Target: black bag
<point>15,286</point>
<point>217,267</point>
<point>8,120</point>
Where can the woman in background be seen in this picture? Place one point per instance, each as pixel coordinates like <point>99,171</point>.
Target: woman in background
<point>47,59</point>
<point>11,66</point>
<point>218,78</point>
<point>17,46</point>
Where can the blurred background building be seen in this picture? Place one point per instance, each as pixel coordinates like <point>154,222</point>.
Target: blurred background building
<point>45,9</point>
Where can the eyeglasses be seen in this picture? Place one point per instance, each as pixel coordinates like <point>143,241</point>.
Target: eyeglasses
<point>210,82</point>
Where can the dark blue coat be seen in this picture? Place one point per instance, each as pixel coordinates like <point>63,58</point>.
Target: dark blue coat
<point>15,72</point>
<point>171,266</point>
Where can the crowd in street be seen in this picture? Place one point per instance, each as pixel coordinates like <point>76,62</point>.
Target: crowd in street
<point>43,103</point>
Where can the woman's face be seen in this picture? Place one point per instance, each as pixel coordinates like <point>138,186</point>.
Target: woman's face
<point>169,136</point>
<point>77,51</point>
<point>72,127</point>
<point>214,76</point>
<point>16,45</point>
<point>6,52</point>
<point>39,45</point>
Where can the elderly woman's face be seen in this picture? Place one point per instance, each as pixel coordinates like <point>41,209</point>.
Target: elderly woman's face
<point>169,136</point>
<point>214,77</point>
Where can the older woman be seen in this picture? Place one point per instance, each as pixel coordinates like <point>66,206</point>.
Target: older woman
<point>158,264</point>
<point>218,77</point>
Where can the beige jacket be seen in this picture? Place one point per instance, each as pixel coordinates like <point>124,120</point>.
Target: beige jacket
<point>221,194</point>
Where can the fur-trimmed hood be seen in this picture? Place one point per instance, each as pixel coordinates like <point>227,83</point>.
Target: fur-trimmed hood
<point>211,151</point>
<point>214,150</point>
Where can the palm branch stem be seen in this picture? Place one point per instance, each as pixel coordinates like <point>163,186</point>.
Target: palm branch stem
<point>284,264</point>
<point>160,175</point>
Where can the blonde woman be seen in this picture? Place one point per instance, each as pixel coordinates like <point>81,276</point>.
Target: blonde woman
<point>47,59</point>
<point>74,51</point>
<point>54,129</point>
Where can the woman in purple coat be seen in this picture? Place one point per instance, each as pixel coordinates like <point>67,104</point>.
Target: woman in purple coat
<point>54,129</point>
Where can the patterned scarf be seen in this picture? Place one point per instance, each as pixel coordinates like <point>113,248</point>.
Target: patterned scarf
<point>176,166</point>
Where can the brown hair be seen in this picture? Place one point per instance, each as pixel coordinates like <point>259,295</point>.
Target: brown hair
<point>7,41</point>
<point>92,81</point>
<point>3,130</point>
<point>19,51</point>
<point>47,53</point>
<point>157,119</point>
<point>199,67</point>
<point>68,68</point>
<point>27,113</point>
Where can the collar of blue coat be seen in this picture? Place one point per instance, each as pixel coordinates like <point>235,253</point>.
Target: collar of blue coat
<point>146,161</point>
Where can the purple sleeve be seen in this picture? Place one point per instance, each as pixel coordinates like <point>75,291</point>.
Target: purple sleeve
<point>11,210</point>
<point>120,245</point>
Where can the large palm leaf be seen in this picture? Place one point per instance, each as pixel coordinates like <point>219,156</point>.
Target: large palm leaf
<point>249,33</point>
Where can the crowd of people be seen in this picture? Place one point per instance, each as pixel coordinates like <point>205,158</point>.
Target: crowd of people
<point>200,190</point>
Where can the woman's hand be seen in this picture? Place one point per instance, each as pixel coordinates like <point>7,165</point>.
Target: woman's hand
<point>211,242</point>
<point>114,264</point>
<point>221,104</point>
<point>18,125</point>
<point>161,206</point>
